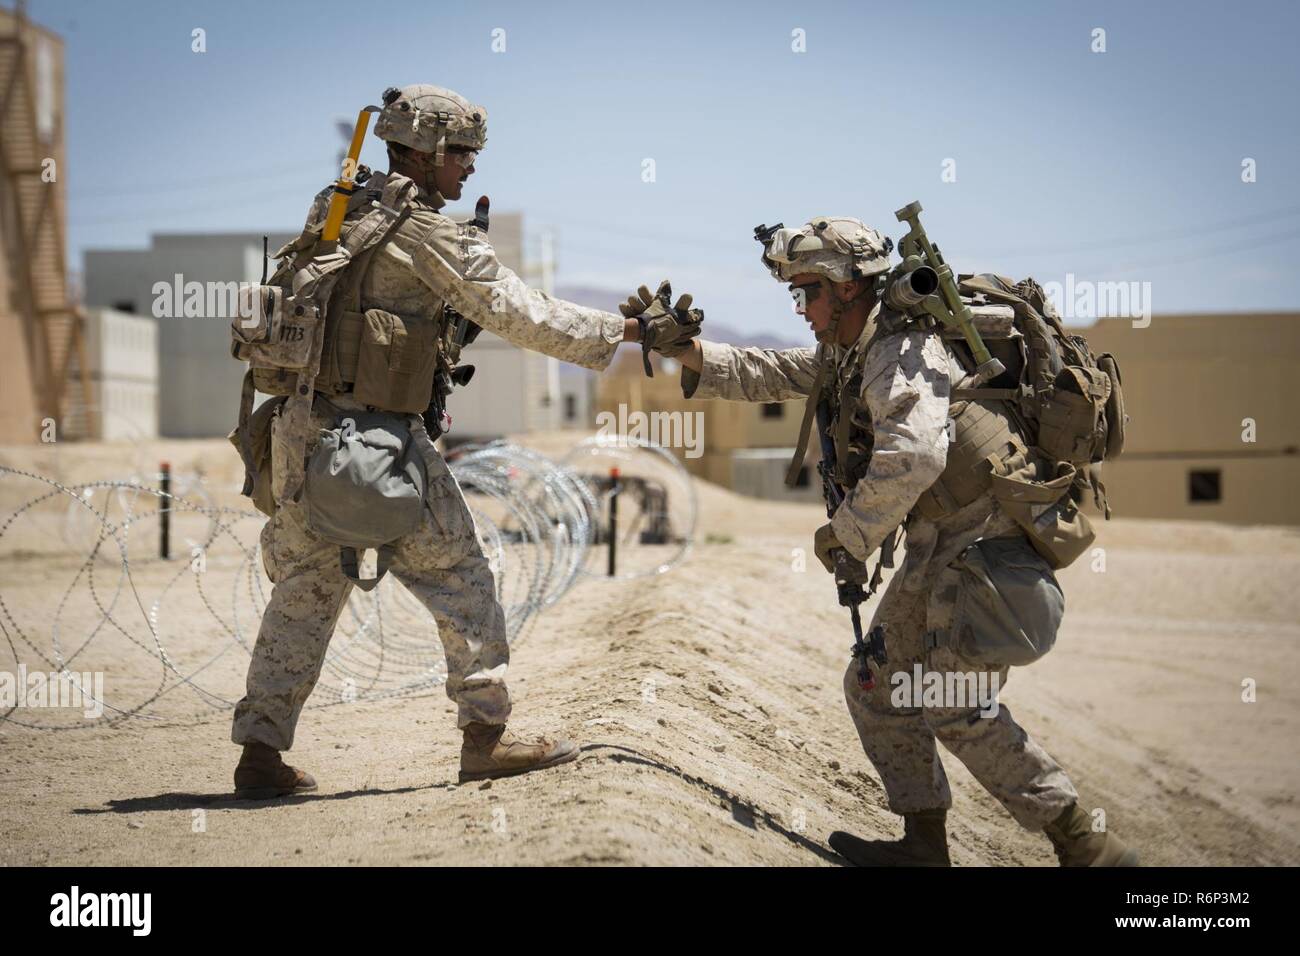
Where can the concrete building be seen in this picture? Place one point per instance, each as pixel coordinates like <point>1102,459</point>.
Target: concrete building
<point>760,473</point>
<point>577,396</point>
<point>512,391</point>
<point>198,383</point>
<point>122,366</point>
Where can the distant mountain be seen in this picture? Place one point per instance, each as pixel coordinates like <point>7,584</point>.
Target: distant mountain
<point>714,331</point>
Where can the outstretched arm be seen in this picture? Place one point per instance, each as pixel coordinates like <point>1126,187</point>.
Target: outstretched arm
<point>714,370</point>
<point>459,264</point>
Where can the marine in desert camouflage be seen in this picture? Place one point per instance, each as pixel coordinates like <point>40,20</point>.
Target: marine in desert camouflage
<point>426,263</point>
<point>900,438</point>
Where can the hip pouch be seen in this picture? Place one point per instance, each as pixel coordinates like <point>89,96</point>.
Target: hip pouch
<point>365,488</point>
<point>252,439</point>
<point>1009,604</point>
<point>1045,510</point>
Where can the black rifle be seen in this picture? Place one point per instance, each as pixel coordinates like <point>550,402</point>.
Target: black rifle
<point>463,332</point>
<point>851,593</point>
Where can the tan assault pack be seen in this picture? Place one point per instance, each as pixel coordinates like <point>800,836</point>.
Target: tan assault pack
<point>1038,433</point>
<point>302,330</point>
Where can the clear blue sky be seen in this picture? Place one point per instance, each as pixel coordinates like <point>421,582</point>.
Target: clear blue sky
<point>1117,165</point>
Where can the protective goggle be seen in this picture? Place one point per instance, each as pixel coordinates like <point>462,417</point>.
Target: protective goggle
<point>803,294</point>
<point>785,245</point>
<point>463,157</point>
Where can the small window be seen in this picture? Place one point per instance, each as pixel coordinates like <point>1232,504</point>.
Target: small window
<point>773,409</point>
<point>801,480</point>
<point>570,407</point>
<point>1204,486</point>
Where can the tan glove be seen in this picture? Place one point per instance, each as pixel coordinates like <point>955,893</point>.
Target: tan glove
<point>834,555</point>
<point>666,329</point>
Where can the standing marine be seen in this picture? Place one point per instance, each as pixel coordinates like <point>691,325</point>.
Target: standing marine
<point>913,439</point>
<point>357,335</point>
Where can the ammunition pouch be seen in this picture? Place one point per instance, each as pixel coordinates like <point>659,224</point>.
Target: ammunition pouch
<point>1116,417</point>
<point>388,360</point>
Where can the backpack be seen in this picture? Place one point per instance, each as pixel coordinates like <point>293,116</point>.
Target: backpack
<point>1068,401</point>
<point>280,326</point>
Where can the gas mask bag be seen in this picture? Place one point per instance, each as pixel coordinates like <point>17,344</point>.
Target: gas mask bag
<point>1009,606</point>
<point>365,488</point>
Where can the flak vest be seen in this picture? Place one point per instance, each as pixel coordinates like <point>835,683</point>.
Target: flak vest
<point>982,439</point>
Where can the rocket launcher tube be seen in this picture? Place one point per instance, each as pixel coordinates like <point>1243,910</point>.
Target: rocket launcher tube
<point>344,187</point>
<point>954,313</point>
<point>908,287</point>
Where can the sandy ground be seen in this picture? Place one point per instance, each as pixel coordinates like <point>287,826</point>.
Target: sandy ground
<point>707,701</point>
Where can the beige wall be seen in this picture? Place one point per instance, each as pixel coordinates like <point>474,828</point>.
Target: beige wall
<point>1190,380</point>
<point>1189,383</point>
<point>1259,491</point>
<point>727,425</point>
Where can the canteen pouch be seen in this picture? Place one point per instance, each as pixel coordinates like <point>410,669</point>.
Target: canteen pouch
<point>1116,417</point>
<point>257,468</point>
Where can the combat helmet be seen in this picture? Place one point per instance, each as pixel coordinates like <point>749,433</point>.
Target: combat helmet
<point>836,247</point>
<point>431,118</point>
<point>833,248</point>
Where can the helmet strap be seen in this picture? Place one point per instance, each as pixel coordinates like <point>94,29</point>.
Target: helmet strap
<point>838,307</point>
<point>417,166</point>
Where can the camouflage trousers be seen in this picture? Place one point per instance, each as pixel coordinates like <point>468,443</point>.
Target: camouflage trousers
<point>900,740</point>
<point>441,563</point>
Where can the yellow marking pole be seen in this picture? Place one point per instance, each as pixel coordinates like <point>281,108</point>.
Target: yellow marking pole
<point>343,188</point>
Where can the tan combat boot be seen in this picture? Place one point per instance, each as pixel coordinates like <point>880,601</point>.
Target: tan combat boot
<point>1076,843</point>
<point>261,774</point>
<point>492,751</point>
<point>924,843</point>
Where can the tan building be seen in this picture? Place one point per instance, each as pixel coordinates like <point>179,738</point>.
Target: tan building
<point>38,324</point>
<point>1215,417</point>
<point>732,431</point>
<point>1214,431</point>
